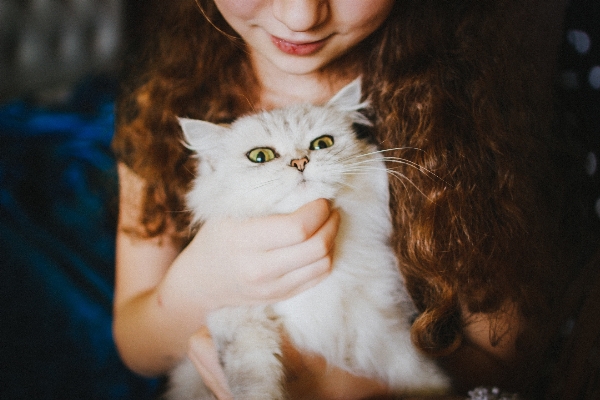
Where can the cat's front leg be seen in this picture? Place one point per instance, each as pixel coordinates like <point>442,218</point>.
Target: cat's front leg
<point>250,347</point>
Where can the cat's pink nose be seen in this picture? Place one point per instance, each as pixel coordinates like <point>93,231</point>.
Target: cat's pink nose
<point>299,163</point>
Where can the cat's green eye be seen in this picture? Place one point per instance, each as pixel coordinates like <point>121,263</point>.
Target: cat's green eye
<point>322,142</point>
<point>261,155</point>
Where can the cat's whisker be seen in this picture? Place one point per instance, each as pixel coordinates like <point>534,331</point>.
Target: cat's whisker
<point>365,170</point>
<point>396,160</point>
<point>346,184</point>
<point>420,168</point>
<point>262,185</point>
<point>381,151</point>
<point>402,161</point>
<point>403,179</point>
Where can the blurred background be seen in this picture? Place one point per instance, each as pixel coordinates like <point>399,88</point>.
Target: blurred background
<point>49,44</point>
<point>59,68</point>
<point>59,63</point>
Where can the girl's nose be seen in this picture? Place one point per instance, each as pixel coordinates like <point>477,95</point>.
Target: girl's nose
<point>301,15</point>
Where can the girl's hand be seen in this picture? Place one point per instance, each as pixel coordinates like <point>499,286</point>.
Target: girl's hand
<point>254,261</point>
<point>205,358</point>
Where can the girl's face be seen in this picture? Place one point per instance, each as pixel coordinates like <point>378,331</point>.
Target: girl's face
<point>301,36</point>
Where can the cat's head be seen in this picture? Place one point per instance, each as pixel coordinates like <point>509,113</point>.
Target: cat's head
<point>276,161</point>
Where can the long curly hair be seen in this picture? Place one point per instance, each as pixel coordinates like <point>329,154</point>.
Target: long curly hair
<point>452,93</point>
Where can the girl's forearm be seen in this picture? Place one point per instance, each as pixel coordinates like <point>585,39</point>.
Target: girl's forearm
<point>152,328</point>
<point>150,337</point>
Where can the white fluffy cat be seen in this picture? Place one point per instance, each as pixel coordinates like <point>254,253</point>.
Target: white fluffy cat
<point>358,317</point>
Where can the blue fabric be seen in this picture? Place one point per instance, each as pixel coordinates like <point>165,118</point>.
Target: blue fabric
<point>58,208</point>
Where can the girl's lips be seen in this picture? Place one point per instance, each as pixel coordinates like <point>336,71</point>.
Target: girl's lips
<point>298,49</point>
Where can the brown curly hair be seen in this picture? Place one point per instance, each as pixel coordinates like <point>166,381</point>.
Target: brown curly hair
<point>449,83</point>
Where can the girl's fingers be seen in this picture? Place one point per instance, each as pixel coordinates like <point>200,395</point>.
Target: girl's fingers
<point>303,278</point>
<point>248,261</point>
<point>308,252</point>
<point>205,358</point>
<point>279,231</point>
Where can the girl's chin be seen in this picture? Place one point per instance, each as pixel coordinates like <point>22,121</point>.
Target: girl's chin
<point>304,65</point>
<point>298,65</point>
<point>274,61</point>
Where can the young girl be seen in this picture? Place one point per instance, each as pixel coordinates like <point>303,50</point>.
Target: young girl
<point>447,84</point>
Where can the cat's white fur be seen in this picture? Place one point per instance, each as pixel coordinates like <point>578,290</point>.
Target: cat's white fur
<point>358,317</point>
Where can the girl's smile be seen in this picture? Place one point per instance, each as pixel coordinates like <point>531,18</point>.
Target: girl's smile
<point>298,48</point>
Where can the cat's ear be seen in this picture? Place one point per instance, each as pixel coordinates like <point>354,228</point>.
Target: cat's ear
<point>200,135</point>
<point>203,138</point>
<point>348,98</point>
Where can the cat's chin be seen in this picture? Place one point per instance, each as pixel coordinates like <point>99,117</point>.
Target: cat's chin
<point>304,193</point>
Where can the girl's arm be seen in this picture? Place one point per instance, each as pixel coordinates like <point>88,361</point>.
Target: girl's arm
<point>148,340</point>
<point>163,294</point>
